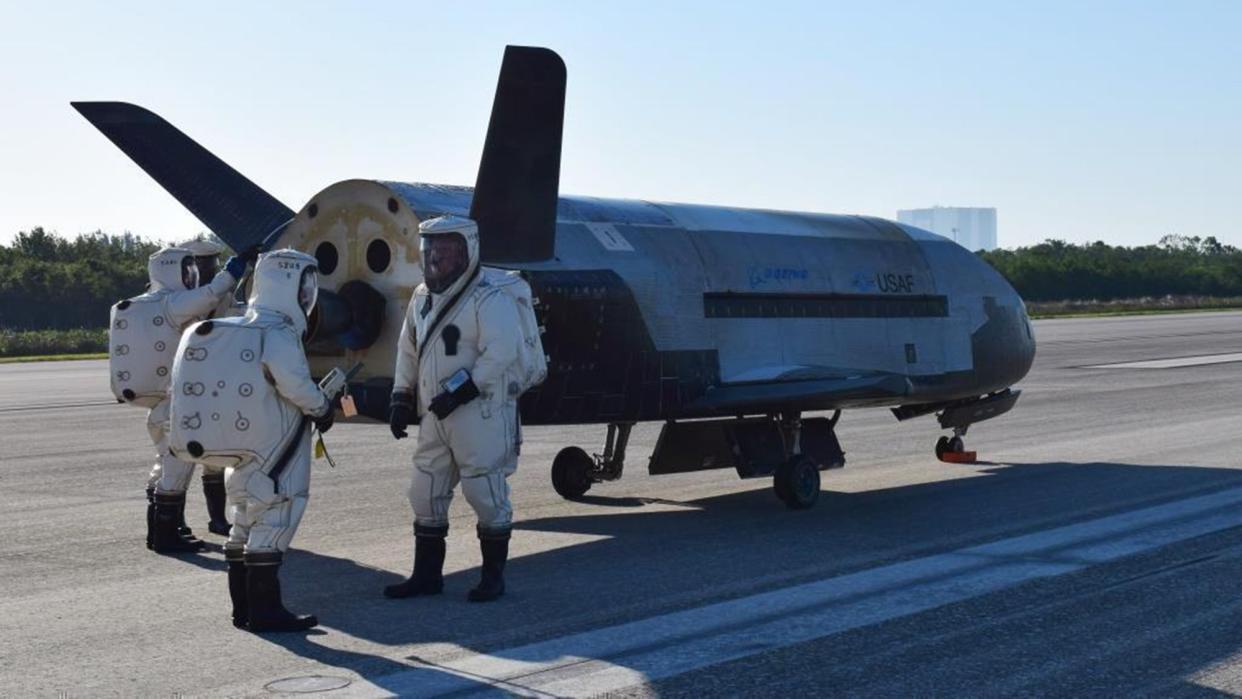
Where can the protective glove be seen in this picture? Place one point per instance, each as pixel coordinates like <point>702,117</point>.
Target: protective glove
<point>251,254</point>
<point>323,423</point>
<point>400,407</point>
<point>236,267</point>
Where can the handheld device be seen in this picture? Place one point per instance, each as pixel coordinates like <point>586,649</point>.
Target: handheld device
<point>335,382</point>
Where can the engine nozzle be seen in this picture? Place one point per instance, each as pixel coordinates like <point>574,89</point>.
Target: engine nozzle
<point>350,318</point>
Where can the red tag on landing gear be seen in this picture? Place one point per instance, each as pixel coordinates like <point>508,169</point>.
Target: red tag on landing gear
<point>959,457</point>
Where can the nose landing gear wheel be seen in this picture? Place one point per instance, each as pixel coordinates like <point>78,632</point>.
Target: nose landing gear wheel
<point>947,444</point>
<point>571,472</point>
<point>953,450</point>
<point>797,483</point>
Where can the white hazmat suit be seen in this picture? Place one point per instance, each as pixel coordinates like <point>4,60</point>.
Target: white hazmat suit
<point>207,258</point>
<point>143,338</point>
<point>243,387</point>
<point>457,349</point>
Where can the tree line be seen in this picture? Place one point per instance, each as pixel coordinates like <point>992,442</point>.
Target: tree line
<point>51,282</point>
<point>1178,265</point>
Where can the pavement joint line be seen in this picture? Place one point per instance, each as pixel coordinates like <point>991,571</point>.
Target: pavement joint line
<point>637,651</point>
<point>1162,570</point>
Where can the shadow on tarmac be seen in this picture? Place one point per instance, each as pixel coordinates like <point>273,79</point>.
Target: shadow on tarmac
<point>202,560</point>
<point>652,562</point>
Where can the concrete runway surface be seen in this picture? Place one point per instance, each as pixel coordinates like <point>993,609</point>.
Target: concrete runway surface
<point>1096,551</point>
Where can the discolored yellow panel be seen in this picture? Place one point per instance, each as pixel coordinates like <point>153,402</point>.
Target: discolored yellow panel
<point>348,217</point>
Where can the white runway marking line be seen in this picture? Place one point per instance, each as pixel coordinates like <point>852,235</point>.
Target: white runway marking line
<point>1173,363</point>
<point>615,657</point>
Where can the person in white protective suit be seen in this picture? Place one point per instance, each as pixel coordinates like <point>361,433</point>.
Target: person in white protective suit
<point>207,259</point>
<point>269,485</point>
<point>459,340</point>
<point>143,339</point>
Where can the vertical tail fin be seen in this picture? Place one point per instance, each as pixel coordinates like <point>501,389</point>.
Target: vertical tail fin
<point>516,192</point>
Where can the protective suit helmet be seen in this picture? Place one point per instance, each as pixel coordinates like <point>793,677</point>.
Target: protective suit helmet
<point>449,247</point>
<point>173,269</point>
<point>286,281</point>
<point>206,257</point>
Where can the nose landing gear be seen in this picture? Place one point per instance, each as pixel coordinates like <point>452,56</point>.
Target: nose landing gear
<point>953,449</point>
<point>959,416</point>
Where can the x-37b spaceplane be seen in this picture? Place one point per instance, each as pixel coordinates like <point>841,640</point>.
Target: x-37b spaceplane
<point>726,324</point>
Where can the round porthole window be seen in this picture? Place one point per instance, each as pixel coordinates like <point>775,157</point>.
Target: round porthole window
<point>379,255</point>
<point>327,257</point>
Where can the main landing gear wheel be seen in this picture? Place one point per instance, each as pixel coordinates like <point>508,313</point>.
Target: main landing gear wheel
<point>571,472</point>
<point>956,444</point>
<point>942,445</point>
<point>797,482</point>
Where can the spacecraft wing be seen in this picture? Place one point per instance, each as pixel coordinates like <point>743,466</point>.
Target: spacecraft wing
<point>237,210</point>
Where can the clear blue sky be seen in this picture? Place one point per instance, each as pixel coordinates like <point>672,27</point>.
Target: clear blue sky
<point>1119,121</point>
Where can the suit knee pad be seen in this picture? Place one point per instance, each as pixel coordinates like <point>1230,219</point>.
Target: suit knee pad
<point>488,494</point>
<point>430,496</point>
<point>273,530</point>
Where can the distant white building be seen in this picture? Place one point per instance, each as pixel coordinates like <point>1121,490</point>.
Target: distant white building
<point>973,228</point>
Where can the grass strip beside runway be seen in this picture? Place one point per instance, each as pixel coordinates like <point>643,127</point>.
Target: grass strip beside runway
<point>26,344</point>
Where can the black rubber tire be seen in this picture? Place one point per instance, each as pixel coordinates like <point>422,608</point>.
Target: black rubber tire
<point>942,445</point>
<point>957,445</point>
<point>798,483</point>
<point>571,472</point>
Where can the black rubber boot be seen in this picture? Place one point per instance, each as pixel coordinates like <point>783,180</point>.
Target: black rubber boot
<point>495,546</point>
<point>150,519</point>
<point>213,491</point>
<point>237,588</point>
<point>182,528</point>
<point>265,609</point>
<point>165,537</point>
<point>428,575</point>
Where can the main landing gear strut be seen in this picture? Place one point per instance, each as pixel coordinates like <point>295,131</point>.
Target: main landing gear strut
<point>789,449</point>
<point>574,471</point>
<point>796,479</point>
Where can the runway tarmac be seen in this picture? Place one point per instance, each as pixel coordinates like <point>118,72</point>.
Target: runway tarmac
<point>1097,550</point>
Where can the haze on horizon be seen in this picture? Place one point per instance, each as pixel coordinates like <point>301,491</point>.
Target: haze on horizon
<point>1114,121</point>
